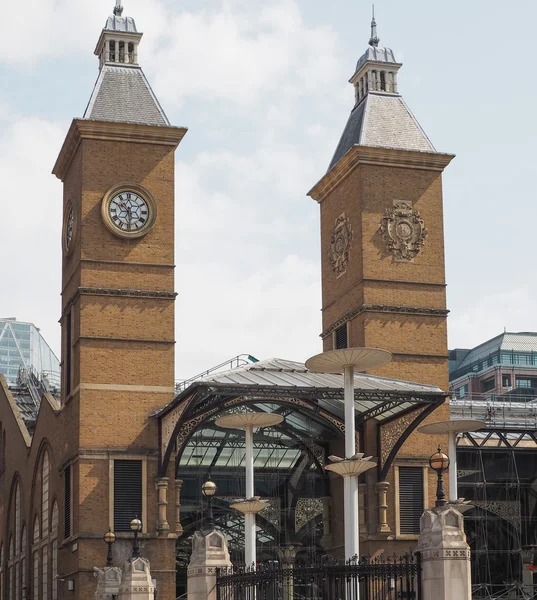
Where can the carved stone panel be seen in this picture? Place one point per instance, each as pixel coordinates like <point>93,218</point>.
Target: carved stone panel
<point>340,245</point>
<point>403,231</point>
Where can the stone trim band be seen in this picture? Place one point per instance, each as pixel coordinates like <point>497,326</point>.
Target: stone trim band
<point>379,308</point>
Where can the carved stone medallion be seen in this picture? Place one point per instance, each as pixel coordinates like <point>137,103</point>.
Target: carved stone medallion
<point>403,231</point>
<point>340,245</point>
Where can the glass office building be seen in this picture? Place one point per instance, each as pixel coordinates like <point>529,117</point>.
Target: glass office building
<point>22,346</point>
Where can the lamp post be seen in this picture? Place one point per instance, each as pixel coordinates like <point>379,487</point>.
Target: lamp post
<point>451,429</point>
<point>251,505</point>
<point>136,527</point>
<point>109,538</point>
<point>208,489</point>
<point>348,361</point>
<point>439,462</point>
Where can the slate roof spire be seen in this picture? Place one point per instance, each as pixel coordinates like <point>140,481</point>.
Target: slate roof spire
<point>374,39</point>
<point>122,93</point>
<point>380,117</point>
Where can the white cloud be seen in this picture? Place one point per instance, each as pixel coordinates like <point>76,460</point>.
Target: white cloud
<point>485,313</point>
<point>31,223</point>
<point>241,52</point>
<point>274,311</point>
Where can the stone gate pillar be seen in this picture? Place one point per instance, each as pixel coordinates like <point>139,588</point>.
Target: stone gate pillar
<point>136,583</point>
<point>209,553</point>
<point>108,582</point>
<point>445,555</point>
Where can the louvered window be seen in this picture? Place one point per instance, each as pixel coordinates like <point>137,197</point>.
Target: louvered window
<point>340,337</point>
<point>67,504</point>
<point>410,499</point>
<point>127,493</point>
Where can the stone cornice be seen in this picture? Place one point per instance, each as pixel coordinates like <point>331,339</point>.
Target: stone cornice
<point>115,132</point>
<point>145,294</point>
<point>387,157</point>
<point>380,308</point>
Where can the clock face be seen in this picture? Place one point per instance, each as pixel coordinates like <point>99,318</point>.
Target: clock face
<point>129,210</point>
<point>69,229</point>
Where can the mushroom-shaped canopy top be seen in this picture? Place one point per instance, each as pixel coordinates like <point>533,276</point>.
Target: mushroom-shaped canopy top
<point>253,420</point>
<point>335,361</point>
<point>453,426</point>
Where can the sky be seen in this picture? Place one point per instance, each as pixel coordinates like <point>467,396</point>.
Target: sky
<point>263,88</point>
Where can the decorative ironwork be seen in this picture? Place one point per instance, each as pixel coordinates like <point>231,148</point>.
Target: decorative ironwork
<point>208,400</point>
<point>391,432</point>
<point>403,231</point>
<point>340,245</point>
<point>506,509</point>
<point>327,580</point>
<point>306,510</point>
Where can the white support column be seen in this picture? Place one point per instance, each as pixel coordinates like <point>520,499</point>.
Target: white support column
<point>249,519</point>
<point>452,453</point>
<point>351,482</point>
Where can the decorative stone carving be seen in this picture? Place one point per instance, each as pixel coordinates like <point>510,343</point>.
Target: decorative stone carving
<point>403,231</point>
<point>340,245</point>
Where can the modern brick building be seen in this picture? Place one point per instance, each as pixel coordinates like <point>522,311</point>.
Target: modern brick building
<point>119,443</point>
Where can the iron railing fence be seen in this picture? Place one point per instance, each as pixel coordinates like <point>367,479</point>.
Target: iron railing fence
<point>367,579</point>
<point>504,591</point>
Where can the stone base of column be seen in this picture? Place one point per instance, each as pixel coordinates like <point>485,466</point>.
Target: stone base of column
<point>209,553</point>
<point>445,555</point>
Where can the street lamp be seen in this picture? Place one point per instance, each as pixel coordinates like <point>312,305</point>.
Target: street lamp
<point>109,538</point>
<point>439,462</point>
<point>136,527</point>
<point>208,489</point>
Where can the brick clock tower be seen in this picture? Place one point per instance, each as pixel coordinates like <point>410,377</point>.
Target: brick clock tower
<point>382,241</point>
<point>117,168</point>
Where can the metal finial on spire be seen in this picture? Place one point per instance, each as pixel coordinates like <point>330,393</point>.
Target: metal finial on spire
<point>374,40</point>
<point>118,10</point>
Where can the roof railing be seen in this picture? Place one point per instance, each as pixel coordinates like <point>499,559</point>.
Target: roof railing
<point>498,411</point>
<point>233,363</point>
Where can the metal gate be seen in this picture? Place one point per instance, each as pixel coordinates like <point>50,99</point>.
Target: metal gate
<point>367,579</point>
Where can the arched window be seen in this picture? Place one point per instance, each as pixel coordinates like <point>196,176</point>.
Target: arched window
<point>2,571</point>
<point>54,550</point>
<point>35,559</point>
<point>10,568</point>
<point>24,547</point>
<point>4,448</point>
<point>45,471</point>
